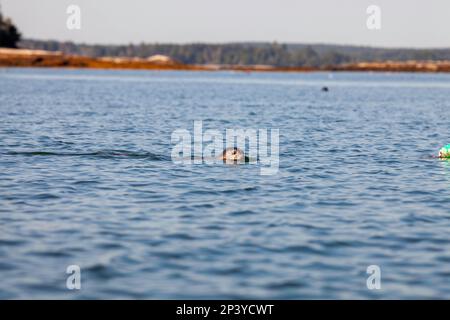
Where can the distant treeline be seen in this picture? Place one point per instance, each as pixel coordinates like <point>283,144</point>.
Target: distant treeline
<point>9,35</point>
<point>282,55</point>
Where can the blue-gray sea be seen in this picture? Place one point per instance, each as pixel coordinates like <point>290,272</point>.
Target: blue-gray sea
<point>86,178</point>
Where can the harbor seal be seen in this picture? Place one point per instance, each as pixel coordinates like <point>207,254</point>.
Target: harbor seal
<point>444,152</point>
<point>233,154</point>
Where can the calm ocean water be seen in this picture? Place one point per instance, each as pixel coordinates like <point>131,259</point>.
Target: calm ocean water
<point>86,179</point>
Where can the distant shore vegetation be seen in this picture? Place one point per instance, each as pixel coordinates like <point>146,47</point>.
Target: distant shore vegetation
<point>9,34</point>
<point>274,54</point>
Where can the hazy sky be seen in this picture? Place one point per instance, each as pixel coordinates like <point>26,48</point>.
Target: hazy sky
<point>405,23</point>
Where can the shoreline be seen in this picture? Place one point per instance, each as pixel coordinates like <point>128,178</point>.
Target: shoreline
<point>48,59</point>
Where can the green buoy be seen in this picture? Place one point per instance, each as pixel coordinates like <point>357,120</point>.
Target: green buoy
<point>445,152</point>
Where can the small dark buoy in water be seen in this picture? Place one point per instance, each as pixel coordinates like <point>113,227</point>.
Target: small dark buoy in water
<point>325,89</point>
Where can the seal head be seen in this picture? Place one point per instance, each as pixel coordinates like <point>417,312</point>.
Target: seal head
<point>233,155</point>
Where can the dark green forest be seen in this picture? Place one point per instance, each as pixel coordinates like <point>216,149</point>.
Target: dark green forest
<point>282,55</point>
<point>9,35</point>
